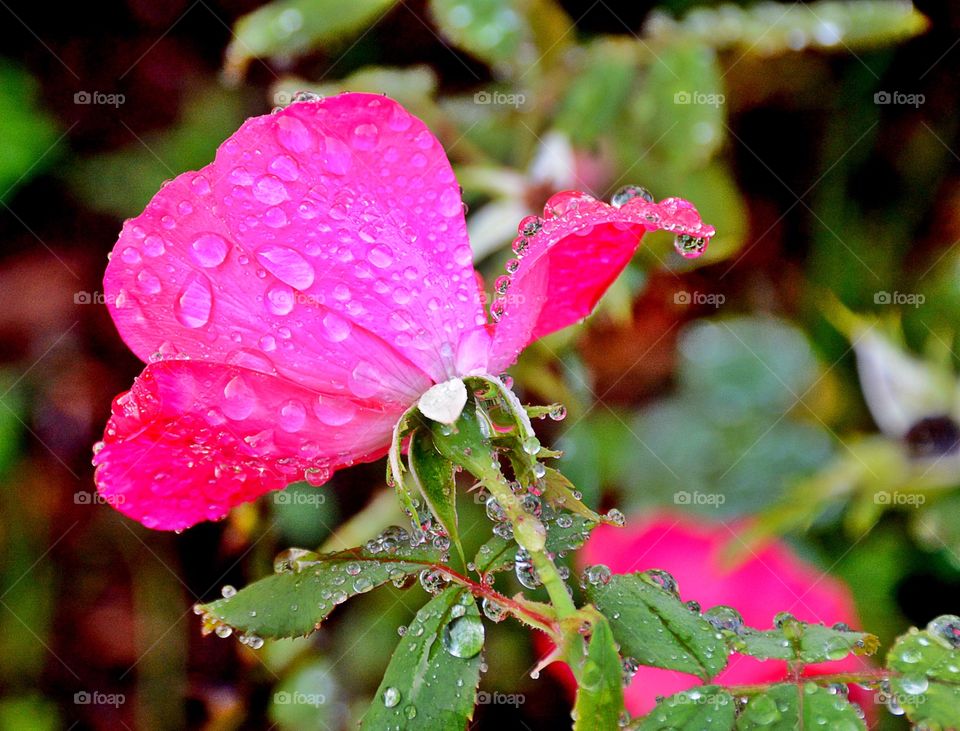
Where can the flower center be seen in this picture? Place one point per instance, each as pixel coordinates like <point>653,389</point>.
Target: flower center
<point>444,402</point>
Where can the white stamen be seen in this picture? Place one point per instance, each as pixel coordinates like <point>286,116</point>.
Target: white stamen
<point>444,401</point>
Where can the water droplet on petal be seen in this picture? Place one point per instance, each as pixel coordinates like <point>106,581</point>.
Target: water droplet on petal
<point>689,247</point>
<point>336,327</point>
<point>628,193</point>
<point>270,190</point>
<point>209,249</point>
<point>280,299</point>
<point>287,265</point>
<point>334,412</point>
<point>148,281</point>
<point>292,416</point>
<point>193,304</point>
<point>239,399</point>
<point>380,256</point>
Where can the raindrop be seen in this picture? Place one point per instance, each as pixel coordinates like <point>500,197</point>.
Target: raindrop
<point>209,250</point>
<point>722,617</point>
<point>689,247</point>
<point>662,579</point>
<point>391,697</point>
<point>596,575</point>
<point>945,629</point>
<point>628,193</point>
<point>493,611</point>
<point>193,304</point>
<point>525,571</point>
<point>463,637</point>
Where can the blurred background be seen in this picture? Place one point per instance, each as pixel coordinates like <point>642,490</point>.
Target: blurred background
<point>798,382</point>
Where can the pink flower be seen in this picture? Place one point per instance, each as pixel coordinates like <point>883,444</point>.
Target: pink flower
<point>769,581</point>
<point>293,298</point>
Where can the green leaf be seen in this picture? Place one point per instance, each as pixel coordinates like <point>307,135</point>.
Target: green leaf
<point>295,602</point>
<point>291,27</point>
<point>561,494</point>
<point>566,532</point>
<point>434,476</point>
<point>790,707</point>
<point>706,708</point>
<point>431,681</point>
<point>927,663</point>
<point>765,29</point>
<point>599,91</point>
<point>654,627</point>
<point>305,699</point>
<point>783,707</point>
<point>415,87</point>
<point>26,131</point>
<point>807,643</point>
<point>495,31</point>
<point>680,110</point>
<point>396,471</point>
<point>495,555</point>
<point>599,703</point>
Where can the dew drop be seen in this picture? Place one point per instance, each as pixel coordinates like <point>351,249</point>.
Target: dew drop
<point>391,697</point>
<point>193,304</point>
<point>689,247</point>
<point>628,193</point>
<point>209,250</point>
<point>287,265</point>
<point>463,637</point>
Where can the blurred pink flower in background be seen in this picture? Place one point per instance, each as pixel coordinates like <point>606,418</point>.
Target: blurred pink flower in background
<point>770,580</point>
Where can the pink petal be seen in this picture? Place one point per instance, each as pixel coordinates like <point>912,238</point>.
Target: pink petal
<point>326,243</point>
<point>191,440</point>
<point>580,246</point>
<point>771,580</point>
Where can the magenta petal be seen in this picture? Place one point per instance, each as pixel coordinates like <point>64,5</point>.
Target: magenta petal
<point>326,243</point>
<point>191,440</point>
<point>569,258</point>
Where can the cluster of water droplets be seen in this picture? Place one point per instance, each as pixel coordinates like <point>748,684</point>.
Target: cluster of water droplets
<point>688,241</point>
<point>212,624</point>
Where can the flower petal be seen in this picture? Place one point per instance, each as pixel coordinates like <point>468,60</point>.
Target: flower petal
<point>568,260</point>
<point>324,239</point>
<point>191,440</point>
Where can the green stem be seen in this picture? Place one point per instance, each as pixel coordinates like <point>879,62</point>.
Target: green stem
<point>530,535</point>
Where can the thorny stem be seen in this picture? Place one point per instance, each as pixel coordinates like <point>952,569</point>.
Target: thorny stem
<point>480,589</point>
<point>866,676</point>
<point>530,535</point>
<point>516,608</point>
